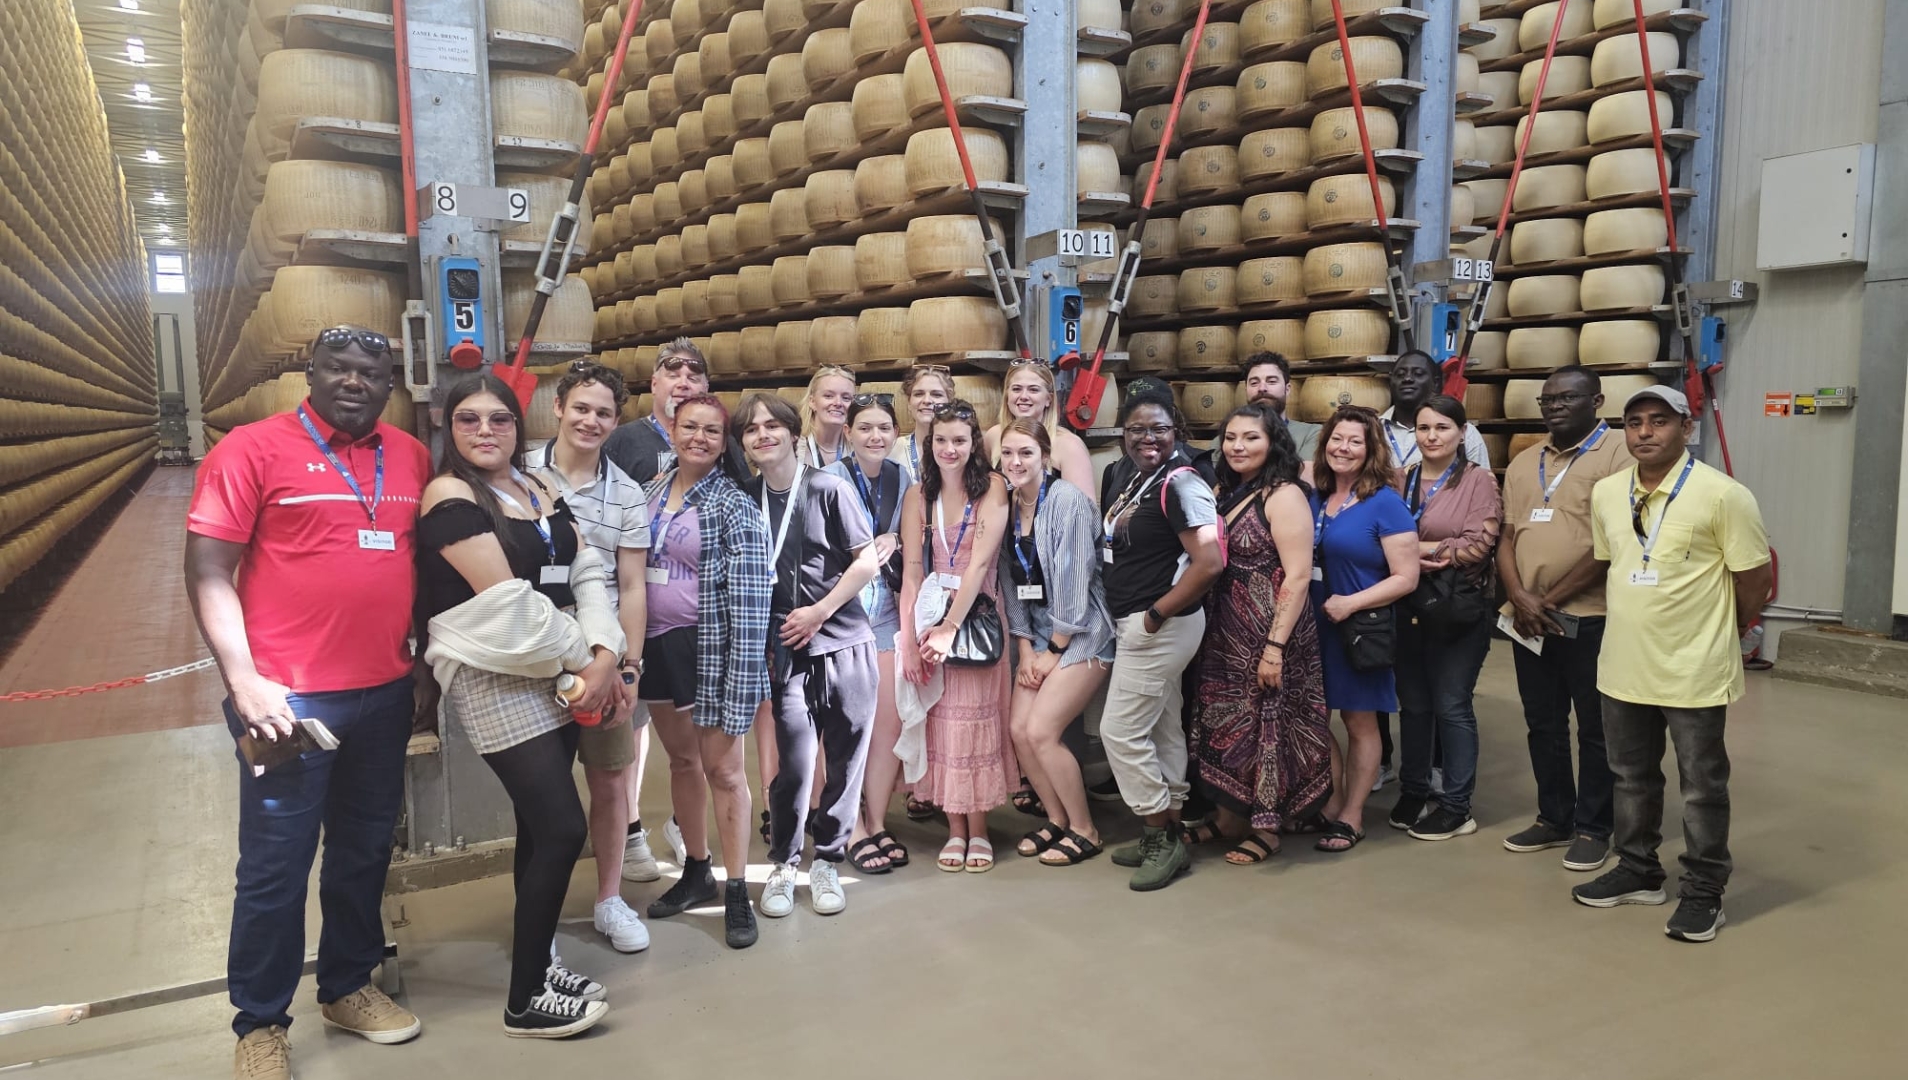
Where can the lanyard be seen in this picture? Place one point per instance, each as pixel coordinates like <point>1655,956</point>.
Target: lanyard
<point>815,450</point>
<point>1020,556</point>
<point>940,524</point>
<point>1391,436</point>
<point>377,490</point>
<point>869,499</point>
<point>1318,523</point>
<point>660,430</point>
<point>914,455</point>
<point>536,507</point>
<point>1589,443</point>
<point>1417,473</point>
<point>788,512</point>
<point>1130,498</point>
<point>1637,506</point>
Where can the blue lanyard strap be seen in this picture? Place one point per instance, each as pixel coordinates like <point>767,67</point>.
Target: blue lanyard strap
<point>869,499</point>
<point>1020,556</point>
<point>536,508</point>
<point>660,430</point>
<point>1319,522</point>
<point>940,525</point>
<point>914,455</point>
<point>377,490</point>
<point>1417,473</point>
<point>1543,453</point>
<point>1392,438</point>
<point>1637,506</point>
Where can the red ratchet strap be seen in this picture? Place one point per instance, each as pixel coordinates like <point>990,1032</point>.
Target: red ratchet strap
<point>1000,273</point>
<point>1454,379</point>
<point>1394,274</point>
<point>1083,403</point>
<point>561,241</point>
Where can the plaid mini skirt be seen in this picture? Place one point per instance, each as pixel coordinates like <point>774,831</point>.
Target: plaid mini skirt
<point>498,711</point>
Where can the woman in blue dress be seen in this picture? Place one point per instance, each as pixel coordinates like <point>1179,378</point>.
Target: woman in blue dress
<point>1367,558</point>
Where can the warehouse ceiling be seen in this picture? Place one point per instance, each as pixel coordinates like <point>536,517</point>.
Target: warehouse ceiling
<point>135,47</point>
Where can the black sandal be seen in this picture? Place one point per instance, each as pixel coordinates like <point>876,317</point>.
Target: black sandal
<point>1027,801</point>
<point>1253,848</point>
<point>864,851</point>
<point>1203,832</point>
<point>896,852</point>
<point>1338,831</point>
<point>1081,850</point>
<point>1042,839</point>
<point>920,811</point>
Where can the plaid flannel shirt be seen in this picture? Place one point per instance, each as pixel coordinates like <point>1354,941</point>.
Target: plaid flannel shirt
<point>733,593</point>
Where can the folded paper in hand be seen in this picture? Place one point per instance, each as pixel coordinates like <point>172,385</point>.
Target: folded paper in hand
<point>306,737</point>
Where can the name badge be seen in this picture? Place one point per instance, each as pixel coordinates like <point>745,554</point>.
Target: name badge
<point>950,582</point>
<point>1541,514</point>
<point>1318,572</point>
<point>377,540</point>
<point>1106,556</point>
<point>656,575</point>
<point>1032,592</point>
<point>1646,578</point>
<point>553,575</point>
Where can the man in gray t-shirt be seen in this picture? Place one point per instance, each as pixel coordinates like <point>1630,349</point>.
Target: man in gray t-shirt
<point>1267,379</point>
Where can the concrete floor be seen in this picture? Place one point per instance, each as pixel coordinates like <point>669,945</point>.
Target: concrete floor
<point>1403,954</point>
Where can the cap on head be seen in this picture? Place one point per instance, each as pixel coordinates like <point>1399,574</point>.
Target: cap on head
<point>1668,395</point>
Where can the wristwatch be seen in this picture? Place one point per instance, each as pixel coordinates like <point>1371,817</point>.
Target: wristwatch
<point>1055,647</point>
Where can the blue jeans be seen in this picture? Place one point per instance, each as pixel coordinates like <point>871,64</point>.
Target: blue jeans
<point>1437,669</point>
<point>1565,674</point>
<point>351,794</point>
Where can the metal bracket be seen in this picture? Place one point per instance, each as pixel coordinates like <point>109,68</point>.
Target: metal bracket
<point>1685,312</point>
<point>1001,278</point>
<point>1399,295</point>
<point>1124,275</point>
<point>1475,320</point>
<point>420,351</point>
<point>1716,293</point>
<point>562,233</point>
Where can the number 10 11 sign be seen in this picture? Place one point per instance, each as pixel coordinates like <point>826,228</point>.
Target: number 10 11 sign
<point>1087,243</point>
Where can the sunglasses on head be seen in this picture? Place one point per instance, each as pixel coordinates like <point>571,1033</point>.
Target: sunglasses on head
<point>835,370</point>
<point>1027,361</point>
<point>675,362</point>
<point>960,411</point>
<point>863,401</point>
<point>342,337</point>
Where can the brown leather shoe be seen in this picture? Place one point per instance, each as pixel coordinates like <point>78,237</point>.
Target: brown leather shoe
<point>263,1054</point>
<point>368,1012</point>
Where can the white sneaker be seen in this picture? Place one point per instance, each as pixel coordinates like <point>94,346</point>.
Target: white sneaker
<point>1386,774</point>
<point>824,889</point>
<point>626,931</point>
<point>778,896</point>
<point>639,863</point>
<point>672,832</point>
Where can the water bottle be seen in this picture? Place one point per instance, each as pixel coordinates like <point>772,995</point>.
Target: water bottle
<point>569,690</point>
<point>1752,643</point>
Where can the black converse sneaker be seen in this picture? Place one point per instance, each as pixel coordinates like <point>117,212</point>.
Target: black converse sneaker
<point>738,918</point>
<point>569,983</point>
<point>696,887</point>
<point>553,1015</point>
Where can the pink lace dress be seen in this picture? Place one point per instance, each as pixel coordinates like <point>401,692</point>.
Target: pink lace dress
<point>971,766</point>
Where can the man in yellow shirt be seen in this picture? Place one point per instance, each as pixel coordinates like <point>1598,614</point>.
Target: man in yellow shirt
<point>1687,571</point>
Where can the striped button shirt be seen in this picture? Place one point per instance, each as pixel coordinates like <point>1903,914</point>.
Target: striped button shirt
<point>611,511</point>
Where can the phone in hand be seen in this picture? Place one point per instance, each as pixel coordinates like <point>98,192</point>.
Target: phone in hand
<point>1568,623</point>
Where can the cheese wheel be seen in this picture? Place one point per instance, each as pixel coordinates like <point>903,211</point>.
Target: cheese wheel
<point>1208,110</point>
<point>724,243</point>
<point>1347,332</point>
<point>1206,170</point>
<point>748,36</point>
<point>1375,58</point>
<point>1339,268</point>
<point>568,316</point>
<point>1534,32</point>
<point>830,272</point>
<point>1272,152</point>
<point>791,345</point>
<point>827,55</point>
<point>828,130</point>
<point>829,198</point>
<point>1159,239</point>
<point>878,107</point>
<point>695,246</point>
<point>1096,167</point>
<point>755,289</point>
<point>663,98</point>
<point>749,97</point>
<point>718,175</point>
<point>1149,127</point>
<point>1544,294</point>
<point>1167,190</point>
<point>725,295</point>
<point>945,244</point>
<point>1608,232</point>
<point>1498,447</point>
<point>304,195</point>
<point>690,81</point>
<point>642,264</point>
<point>1488,197</point>
<point>695,301</point>
<point>1549,186</point>
<point>1618,389</point>
<point>753,164</point>
<point>1520,399</point>
<point>881,182</point>
<point>1464,77</point>
<point>833,340</point>
<point>1093,318</point>
<point>1501,46</point>
<point>1463,205</point>
<point>668,196</point>
<point>1523,442</point>
<point>1556,131</point>
<point>1568,75</point>
<point>1343,200</point>
<point>1204,404</point>
<point>1267,88</point>
<point>1335,133</point>
<point>1208,228</point>
<point>788,149</point>
<point>1497,304</point>
<point>669,306</point>
<point>1268,280</point>
<point>1152,351</point>
<point>1207,347</point>
<point>1323,13</point>
<point>1319,396</point>
<point>788,280</point>
<point>669,255</point>
<point>980,391</point>
<point>1272,24</point>
<point>1620,342</point>
<point>1153,68</point>
<point>1487,350</point>
<point>298,83</point>
<point>788,214</point>
<point>1154,294</point>
<point>692,190</point>
<point>1497,143</point>
<point>881,336</point>
<point>758,351</point>
<point>971,70</point>
<point>1274,214</point>
<point>529,105</point>
<point>1545,240</point>
<point>1101,14</point>
<point>1607,13</point>
<point>1484,401</point>
<point>783,17</point>
<point>787,84</point>
<point>685,19</point>
<point>1150,15</point>
<point>1627,115</point>
<point>1283,336</point>
<point>877,26</point>
<point>933,166</point>
<point>1096,86</point>
<point>1624,172</point>
<point>1499,86</point>
<point>1208,288</point>
<point>955,324</point>
<point>658,43</point>
<point>1612,288</point>
<point>1541,348</point>
<point>753,230</point>
<point>1621,57</point>
<point>881,260</point>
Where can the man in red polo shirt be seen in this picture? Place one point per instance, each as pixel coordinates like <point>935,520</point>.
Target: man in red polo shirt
<point>300,562</point>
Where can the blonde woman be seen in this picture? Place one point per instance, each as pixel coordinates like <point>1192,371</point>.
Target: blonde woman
<point>1030,394</point>
<point>926,387</point>
<point>824,414</point>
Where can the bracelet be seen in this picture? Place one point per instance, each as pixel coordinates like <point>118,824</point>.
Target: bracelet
<point>1279,645</point>
<point>1157,617</point>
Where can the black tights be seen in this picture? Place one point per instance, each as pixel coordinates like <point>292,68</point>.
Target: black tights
<point>550,833</point>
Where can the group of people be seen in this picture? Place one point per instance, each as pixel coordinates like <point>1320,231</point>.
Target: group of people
<point>933,615</point>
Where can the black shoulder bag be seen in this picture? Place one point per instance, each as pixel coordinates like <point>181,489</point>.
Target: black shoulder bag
<point>979,641</point>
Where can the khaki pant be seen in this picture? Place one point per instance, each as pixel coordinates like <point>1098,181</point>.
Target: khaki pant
<point>1145,742</point>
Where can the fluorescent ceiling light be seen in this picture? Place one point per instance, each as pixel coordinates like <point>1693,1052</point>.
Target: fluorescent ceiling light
<point>164,228</point>
<point>158,198</point>
<point>163,241</point>
<point>152,155</point>
<point>142,92</point>
<point>129,5</point>
<point>136,50</point>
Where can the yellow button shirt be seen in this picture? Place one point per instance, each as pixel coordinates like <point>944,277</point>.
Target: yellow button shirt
<point>1674,644</point>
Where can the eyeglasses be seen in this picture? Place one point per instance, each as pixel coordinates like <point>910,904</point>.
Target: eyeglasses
<point>1156,431</point>
<point>1545,401</point>
<point>342,337</point>
<point>469,423</point>
<point>674,362</point>
<point>954,412</point>
<point>863,401</point>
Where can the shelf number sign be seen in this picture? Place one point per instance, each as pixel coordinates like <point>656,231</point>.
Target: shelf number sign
<point>518,201</point>
<point>464,316</point>
<point>1086,243</point>
<point>444,199</point>
<point>1472,270</point>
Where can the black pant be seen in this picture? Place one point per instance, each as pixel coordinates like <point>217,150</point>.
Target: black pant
<point>1565,674</point>
<point>550,833</point>
<point>822,704</point>
<point>1635,737</point>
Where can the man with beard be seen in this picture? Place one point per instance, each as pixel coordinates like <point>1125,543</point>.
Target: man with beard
<point>642,449</point>
<point>1268,380</point>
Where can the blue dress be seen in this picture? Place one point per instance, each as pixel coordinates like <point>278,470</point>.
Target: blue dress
<point>1352,551</point>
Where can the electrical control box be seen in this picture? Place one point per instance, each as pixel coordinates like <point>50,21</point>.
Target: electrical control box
<point>1056,312</point>
<point>461,284</point>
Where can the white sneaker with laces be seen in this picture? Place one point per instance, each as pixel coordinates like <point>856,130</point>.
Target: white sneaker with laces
<point>570,984</point>
<point>824,889</point>
<point>672,832</point>
<point>778,896</point>
<point>639,863</point>
<point>625,930</point>
<point>553,1015</point>
<point>1386,774</point>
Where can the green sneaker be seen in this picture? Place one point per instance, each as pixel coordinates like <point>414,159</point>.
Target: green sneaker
<point>1166,857</point>
<point>1129,855</point>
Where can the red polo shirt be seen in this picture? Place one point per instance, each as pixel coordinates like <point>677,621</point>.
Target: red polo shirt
<point>321,612</point>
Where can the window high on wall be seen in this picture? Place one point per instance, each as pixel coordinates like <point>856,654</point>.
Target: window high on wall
<point>168,274</point>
